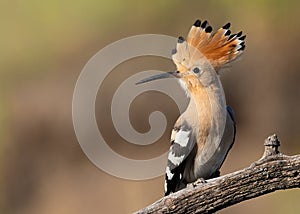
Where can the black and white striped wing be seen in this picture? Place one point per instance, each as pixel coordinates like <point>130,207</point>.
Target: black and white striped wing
<point>182,143</point>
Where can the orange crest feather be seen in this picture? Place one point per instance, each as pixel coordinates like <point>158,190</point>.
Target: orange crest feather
<point>219,48</point>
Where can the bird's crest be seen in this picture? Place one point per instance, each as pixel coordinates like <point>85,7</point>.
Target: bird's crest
<point>218,48</point>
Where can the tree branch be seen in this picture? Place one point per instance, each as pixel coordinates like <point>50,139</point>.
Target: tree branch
<point>274,171</point>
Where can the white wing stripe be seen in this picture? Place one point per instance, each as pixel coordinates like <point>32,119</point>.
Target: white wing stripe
<point>166,186</point>
<point>182,138</point>
<point>169,173</point>
<point>175,160</point>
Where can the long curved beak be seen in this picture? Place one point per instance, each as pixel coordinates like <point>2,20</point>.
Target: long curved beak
<point>170,74</point>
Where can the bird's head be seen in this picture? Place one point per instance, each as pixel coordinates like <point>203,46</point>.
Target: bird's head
<point>201,56</point>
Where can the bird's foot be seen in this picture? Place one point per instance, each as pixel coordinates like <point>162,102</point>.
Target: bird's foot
<point>198,182</point>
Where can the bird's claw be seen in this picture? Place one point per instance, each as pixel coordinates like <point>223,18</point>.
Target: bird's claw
<point>198,182</point>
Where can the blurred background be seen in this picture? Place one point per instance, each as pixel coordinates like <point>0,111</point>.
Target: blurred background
<point>44,46</point>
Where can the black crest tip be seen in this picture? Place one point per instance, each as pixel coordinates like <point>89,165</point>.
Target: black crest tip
<point>197,23</point>
<point>239,33</point>
<point>231,36</point>
<point>208,29</point>
<point>241,48</point>
<point>227,26</point>
<point>203,25</point>
<point>180,39</point>
<point>228,32</point>
<point>242,37</point>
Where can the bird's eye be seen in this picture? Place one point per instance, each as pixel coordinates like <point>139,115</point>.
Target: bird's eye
<point>196,70</point>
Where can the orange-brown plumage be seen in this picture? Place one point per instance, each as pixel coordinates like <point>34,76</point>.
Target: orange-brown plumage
<point>219,48</point>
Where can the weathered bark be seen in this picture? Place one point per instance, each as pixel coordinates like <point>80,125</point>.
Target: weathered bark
<point>274,171</point>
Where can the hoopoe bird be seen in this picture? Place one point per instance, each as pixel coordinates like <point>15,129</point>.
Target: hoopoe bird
<point>203,135</point>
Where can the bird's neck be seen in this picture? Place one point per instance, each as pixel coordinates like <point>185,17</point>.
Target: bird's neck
<point>206,112</point>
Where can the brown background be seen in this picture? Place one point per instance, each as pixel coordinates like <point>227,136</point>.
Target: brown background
<point>44,46</point>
